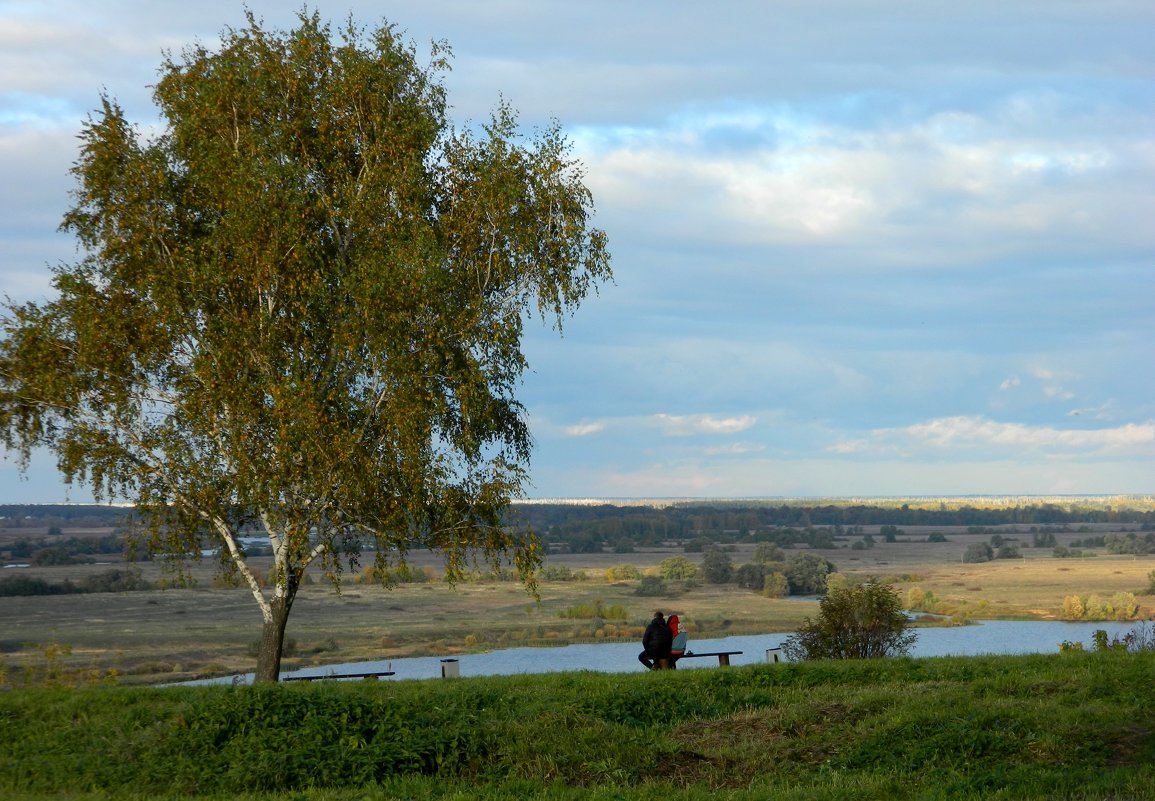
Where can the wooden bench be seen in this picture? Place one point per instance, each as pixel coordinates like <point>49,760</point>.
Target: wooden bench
<point>338,676</point>
<point>723,657</point>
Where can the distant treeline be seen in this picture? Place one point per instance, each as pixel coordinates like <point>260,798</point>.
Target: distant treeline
<point>586,528</point>
<point>62,515</point>
<point>590,528</point>
<point>65,551</point>
<point>108,581</point>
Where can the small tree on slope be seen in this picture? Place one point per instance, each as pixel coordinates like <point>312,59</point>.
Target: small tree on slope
<point>859,622</point>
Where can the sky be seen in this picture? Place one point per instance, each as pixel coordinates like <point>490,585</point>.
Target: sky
<point>861,249</point>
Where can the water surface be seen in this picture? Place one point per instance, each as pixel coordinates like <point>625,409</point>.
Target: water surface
<point>985,637</point>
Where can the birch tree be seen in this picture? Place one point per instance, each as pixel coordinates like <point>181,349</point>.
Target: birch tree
<point>298,307</point>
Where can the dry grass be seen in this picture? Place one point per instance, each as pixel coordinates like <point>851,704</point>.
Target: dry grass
<point>1035,587</point>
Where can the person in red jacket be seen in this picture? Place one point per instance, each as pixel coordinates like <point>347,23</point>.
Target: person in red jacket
<point>678,642</point>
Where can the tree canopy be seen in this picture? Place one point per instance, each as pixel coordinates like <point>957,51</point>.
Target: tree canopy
<point>299,306</point>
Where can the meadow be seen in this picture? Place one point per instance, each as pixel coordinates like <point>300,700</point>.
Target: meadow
<point>1060,727</point>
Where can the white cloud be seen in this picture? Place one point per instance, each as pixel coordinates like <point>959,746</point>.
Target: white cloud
<point>585,429</point>
<point>688,425</point>
<point>1010,383</point>
<point>1052,380</point>
<point>933,186</point>
<point>736,449</point>
<point>971,432</point>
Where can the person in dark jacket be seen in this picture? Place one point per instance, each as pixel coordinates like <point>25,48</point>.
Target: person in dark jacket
<point>655,642</point>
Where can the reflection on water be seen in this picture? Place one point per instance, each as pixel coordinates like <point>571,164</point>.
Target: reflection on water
<point>986,637</point>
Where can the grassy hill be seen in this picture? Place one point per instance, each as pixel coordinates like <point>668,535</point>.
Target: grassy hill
<point>1061,726</point>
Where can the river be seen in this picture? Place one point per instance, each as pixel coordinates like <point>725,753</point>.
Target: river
<point>983,637</point>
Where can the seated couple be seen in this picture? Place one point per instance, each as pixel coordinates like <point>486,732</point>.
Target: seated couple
<point>662,640</point>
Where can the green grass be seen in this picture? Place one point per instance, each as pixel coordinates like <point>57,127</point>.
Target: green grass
<point>1064,726</point>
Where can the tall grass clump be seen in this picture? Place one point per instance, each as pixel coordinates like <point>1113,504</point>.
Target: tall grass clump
<point>597,609</point>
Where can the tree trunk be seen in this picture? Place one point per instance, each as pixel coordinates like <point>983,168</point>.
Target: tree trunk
<point>273,637</point>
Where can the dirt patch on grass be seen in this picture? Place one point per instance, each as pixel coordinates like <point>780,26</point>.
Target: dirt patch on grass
<point>736,750</point>
<point>1133,746</point>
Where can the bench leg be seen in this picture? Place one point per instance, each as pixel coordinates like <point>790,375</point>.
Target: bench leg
<point>663,664</point>
<point>723,660</point>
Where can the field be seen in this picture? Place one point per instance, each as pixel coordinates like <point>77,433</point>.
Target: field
<point>210,629</point>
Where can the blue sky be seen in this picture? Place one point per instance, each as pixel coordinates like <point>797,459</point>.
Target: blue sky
<point>861,249</point>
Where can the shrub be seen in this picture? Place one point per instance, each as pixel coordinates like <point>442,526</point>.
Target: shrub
<point>806,573</point>
<point>651,586</point>
<point>837,581</point>
<point>915,598</point>
<point>1128,543</point>
<point>775,585</point>
<point>677,568</point>
<point>978,552</point>
<point>1121,606</point>
<point>1073,608</point>
<point>113,581</point>
<point>55,555</point>
<point>766,552</point>
<point>29,585</point>
<point>556,573</point>
<point>918,600</point>
<point>853,623</point>
<point>406,574</point>
<point>623,573</point>
<point>1141,638</point>
<point>717,567</point>
<point>750,577</point>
